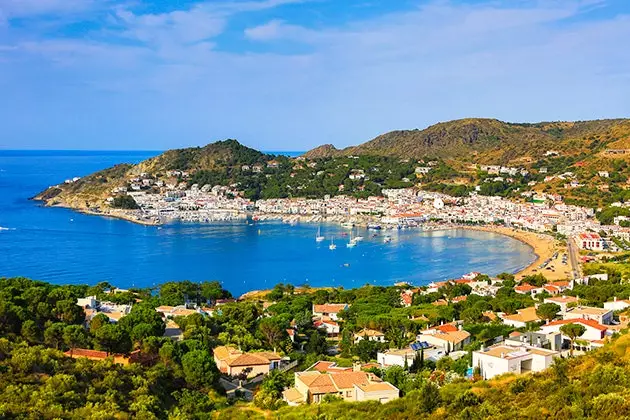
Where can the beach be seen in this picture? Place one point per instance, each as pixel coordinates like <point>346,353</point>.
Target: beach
<point>544,247</point>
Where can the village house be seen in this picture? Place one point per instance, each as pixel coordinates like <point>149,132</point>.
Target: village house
<point>370,335</point>
<point>501,358</point>
<point>329,310</point>
<point>329,326</point>
<point>232,361</point>
<point>594,333</point>
<point>590,241</point>
<point>449,337</point>
<point>313,386</point>
<point>548,340</point>
<point>521,318</point>
<point>601,315</point>
<point>562,301</point>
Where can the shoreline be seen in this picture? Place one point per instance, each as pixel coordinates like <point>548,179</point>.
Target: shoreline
<point>543,246</point>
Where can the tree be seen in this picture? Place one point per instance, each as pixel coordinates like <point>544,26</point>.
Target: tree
<point>53,335</point>
<point>572,331</point>
<point>110,338</point>
<point>30,331</point>
<point>98,321</point>
<point>316,343</point>
<point>272,331</point>
<point>74,336</point>
<point>547,311</point>
<point>199,369</point>
<point>269,395</point>
<point>69,312</point>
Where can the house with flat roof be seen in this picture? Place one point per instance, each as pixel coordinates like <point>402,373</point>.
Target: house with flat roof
<point>232,361</point>
<point>502,358</point>
<point>313,386</point>
<point>617,304</point>
<point>601,315</point>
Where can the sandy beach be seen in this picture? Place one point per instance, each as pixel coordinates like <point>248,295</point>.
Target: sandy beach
<point>544,247</point>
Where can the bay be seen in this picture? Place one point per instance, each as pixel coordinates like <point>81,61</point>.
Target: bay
<point>62,246</point>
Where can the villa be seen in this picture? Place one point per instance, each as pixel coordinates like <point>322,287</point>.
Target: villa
<point>371,335</point>
<point>449,337</point>
<point>502,358</point>
<point>562,301</point>
<point>313,386</point>
<point>594,333</point>
<point>232,361</point>
<point>602,316</point>
<point>330,310</point>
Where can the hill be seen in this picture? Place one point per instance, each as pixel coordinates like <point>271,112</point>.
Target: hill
<point>222,159</point>
<point>489,141</point>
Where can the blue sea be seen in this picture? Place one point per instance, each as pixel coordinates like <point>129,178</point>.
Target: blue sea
<point>62,246</point>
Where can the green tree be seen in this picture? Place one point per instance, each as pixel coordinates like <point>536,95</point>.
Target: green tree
<point>74,336</point>
<point>53,334</point>
<point>572,331</point>
<point>273,331</point>
<point>69,312</point>
<point>547,311</point>
<point>30,332</point>
<point>199,368</point>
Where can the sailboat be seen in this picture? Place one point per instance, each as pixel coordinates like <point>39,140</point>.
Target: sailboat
<point>332,245</point>
<point>352,242</point>
<point>319,237</point>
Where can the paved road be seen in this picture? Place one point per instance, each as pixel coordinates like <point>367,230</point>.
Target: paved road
<point>574,253</point>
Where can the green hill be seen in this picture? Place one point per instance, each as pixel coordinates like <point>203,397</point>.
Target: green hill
<point>489,141</point>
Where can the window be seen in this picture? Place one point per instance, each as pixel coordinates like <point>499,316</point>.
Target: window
<point>348,394</point>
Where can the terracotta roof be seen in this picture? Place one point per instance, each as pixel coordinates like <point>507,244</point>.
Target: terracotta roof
<point>588,322</point>
<point>525,287</point>
<point>453,336</point>
<point>447,328</point>
<point>96,354</point>
<point>225,352</point>
<point>324,366</point>
<point>345,380</point>
<point>248,359</point>
<point>329,308</point>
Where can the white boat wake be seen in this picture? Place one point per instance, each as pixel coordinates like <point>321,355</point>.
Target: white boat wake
<point>5,228</point>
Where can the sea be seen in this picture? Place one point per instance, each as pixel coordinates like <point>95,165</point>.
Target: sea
<point>66,247</point>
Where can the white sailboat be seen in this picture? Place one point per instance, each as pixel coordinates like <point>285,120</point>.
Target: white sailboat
<point>352,242</point>
<point>332,245</point>
<point>319,237</point>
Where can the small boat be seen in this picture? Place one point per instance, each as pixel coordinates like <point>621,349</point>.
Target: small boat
<point>348,225</point>
<point>358,238</point>
<point>319,237</point>
<point>387,239</point>
<point>374,226</point>
<point>332,245</point>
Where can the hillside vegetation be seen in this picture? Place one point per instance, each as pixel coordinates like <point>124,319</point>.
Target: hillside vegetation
<point>489,141</point>
<point>562,158</point>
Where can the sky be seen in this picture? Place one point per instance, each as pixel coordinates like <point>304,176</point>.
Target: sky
<point>294,74</point>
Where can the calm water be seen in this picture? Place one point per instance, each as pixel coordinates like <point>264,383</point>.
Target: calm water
<point>61,246</point>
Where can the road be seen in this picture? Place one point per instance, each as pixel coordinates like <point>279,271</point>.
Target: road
<point>574,254</point>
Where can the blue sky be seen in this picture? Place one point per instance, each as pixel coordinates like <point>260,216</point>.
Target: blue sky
<point>293,74</point>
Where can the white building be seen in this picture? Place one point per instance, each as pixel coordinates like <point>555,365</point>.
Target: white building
<point>602,316</point>
<point>617,305</point>
<point>501,358</point>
